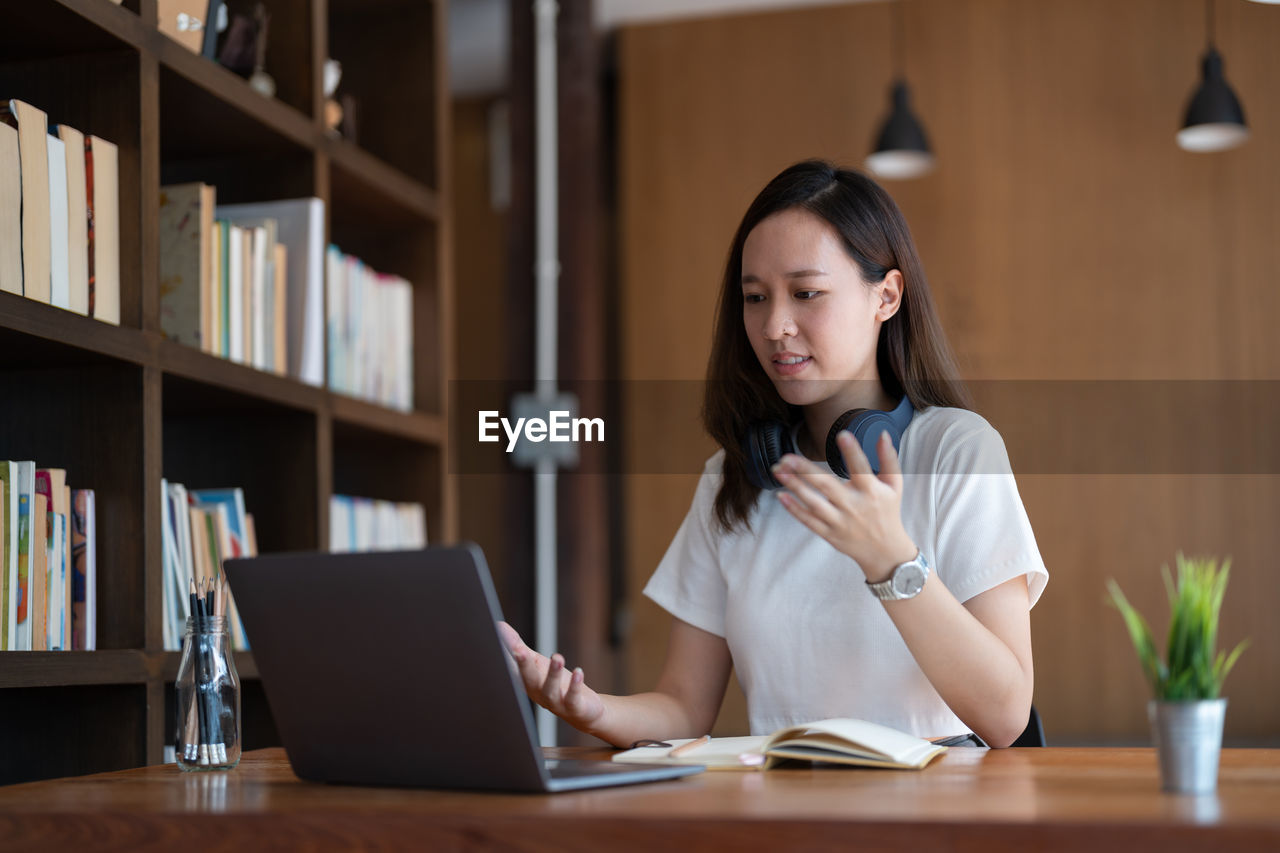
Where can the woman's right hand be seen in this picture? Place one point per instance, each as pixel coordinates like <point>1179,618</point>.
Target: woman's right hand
<point>555,688</point>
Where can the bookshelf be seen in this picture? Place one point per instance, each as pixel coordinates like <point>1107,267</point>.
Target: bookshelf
<point>120,407</point>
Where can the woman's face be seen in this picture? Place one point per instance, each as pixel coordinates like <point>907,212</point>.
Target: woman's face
<point>811,319</point>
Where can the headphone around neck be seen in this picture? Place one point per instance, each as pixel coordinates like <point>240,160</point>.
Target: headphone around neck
<point>766,442</point>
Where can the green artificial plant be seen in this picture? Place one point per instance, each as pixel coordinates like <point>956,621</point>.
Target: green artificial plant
<point>1191,670</point>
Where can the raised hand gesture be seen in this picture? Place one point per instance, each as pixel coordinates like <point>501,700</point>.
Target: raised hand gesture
<point>555,688</point>
<point>860,517</point>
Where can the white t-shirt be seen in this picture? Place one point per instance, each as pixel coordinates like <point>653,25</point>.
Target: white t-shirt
<point>809,640</point>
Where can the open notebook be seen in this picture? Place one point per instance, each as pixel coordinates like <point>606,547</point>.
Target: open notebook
<point>840,741</point>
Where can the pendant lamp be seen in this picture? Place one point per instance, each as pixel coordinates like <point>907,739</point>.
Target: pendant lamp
<point>1214,119</point>
<point>901,149</point>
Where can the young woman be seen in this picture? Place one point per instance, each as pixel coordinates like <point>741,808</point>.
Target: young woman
<point>899,595</point>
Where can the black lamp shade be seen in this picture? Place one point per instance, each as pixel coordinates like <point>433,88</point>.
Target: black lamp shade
<point>901,151</point>
<point>1215,119</point>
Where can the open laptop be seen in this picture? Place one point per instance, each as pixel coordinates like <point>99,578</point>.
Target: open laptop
<point>388,669</point>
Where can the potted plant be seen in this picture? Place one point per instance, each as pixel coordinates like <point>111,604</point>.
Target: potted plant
<point>1187,710</point>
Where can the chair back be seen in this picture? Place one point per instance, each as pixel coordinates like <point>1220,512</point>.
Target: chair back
<point>1033,734</point>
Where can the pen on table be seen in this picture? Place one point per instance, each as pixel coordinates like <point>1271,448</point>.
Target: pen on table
<point>217,748</point>
<point>687,747</point>
<point>204,672</point>
<point>193,749</point>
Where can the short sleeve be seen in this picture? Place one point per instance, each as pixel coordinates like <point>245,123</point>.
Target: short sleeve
<point>688,582</point>
<point>984,537</point>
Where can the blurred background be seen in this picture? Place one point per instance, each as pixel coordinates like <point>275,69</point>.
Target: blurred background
<point>1065,233</point>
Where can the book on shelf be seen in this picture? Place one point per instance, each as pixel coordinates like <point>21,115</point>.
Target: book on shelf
<point>221,287</point>
<point>48,184</point>
<point>235,293</point>
<point>59,246</point>
<point>370,327</point>
<point>200,528</point>
<point>279,269</point>
<point>20,604</point>
<point>299,225</point>
<point>835,741</point>
<point>77,220</point>
<point>33,155</point>
<point>170,606</point>
<point>4,569</point>
<point>57,635</point>
<point>262,305</point>
<point>8,551</point>
<point>222,281</point>
<point>186,265</point>
<point>234,526</point>
<point>38,574</point>
<point>365,524</point>
<point>178,561</point>
<point>47,578</point>
<point>102,170</point>
<point>10,211</point>
<point>84,571</point>
<point>51,483</point>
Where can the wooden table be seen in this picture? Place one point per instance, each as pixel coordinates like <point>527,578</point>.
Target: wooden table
<point>970,799</point>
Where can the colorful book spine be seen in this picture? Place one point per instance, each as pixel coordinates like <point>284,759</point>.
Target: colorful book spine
<point>38,574</point>
<point>21,634</point>
<point>57,602</point>
<point>91,240</point>
<point>83,571</point>
<point>9,559</point>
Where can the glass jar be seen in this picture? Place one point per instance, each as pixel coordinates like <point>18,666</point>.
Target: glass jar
<point>207,735</point>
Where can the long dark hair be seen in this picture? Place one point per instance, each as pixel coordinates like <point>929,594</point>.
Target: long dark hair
<point>912,355</point>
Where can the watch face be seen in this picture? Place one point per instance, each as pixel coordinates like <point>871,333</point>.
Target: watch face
<point>908,580</point>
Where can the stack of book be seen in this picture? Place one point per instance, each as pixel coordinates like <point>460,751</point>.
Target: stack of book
<point>370,324</point>
<point>59,214</point>
<point>48,561</point>
<point>201,528</point>
<point>243,281</point>
<point>364,524</point>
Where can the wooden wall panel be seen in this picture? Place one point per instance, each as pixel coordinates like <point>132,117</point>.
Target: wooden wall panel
<point>1065,237</point>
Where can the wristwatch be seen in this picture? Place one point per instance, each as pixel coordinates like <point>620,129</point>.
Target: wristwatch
<point>906,580</point>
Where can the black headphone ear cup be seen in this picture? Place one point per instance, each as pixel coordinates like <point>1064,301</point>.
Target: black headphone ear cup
<point>834,457</point>
<point>767,442</point>
<point>866,426</point>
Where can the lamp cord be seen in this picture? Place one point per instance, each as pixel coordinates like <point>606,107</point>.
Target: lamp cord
<point>1208,11</point>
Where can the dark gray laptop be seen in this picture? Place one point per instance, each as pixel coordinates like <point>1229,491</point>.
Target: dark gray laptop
<point>387,669</point>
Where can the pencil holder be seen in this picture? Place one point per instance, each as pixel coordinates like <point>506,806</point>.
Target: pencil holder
<point>208,692</point>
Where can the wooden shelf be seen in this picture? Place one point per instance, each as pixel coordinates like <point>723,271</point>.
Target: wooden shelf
<point>68,27</point>
<point>166,665</point>
<point>212,372</point>
<point>121,407</point>
<point>33,333</point>
<point>368,191</point>
<point>60,669</point>
<point>415,426</point>
<point>220,109</point>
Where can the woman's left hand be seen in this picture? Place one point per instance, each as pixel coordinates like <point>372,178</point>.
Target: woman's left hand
<point>860,517</point>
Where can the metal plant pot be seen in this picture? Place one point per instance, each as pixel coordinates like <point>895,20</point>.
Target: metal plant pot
<point>1188,738</point>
